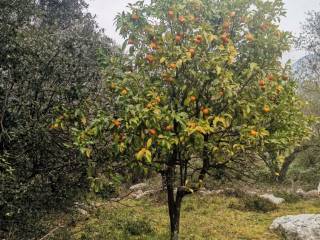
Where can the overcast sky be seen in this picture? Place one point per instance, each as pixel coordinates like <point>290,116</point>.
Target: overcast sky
<point>106,10</point>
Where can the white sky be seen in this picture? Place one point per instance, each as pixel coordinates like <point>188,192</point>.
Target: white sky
<point>106,10</point>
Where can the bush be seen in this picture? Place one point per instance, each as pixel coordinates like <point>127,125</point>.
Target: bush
<point>258,204</point>
<point>137,227</point>
<point>289,197</point>
<point>253,203</point>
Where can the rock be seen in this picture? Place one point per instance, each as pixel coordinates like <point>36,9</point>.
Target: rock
<point>309,194</point>
<point>272,198</point>
<point>136,194</point>
<point>82,211</point>
<point>139,186</point>
<point>298,227</point>
<point>300,192</point>
<point>205,192</point>
<point>312,193</point>
<point>146,193</point>
<point>218,191</point>
<point>319,189</point>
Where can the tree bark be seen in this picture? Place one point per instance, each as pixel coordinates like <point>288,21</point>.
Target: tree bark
<point>174,204</point>
<point>288,161</point>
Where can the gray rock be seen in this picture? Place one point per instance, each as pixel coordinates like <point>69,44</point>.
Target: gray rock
<point>298,227</point>
<point>139,186</point>
<point>82,211</point>
<point>300,192</point>
<point>311,194</point>
<point>136,194</point>
<point>272,198</point>
<point>205,192</point>
<point>146,193</point>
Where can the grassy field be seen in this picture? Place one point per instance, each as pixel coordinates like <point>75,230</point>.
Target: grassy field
<point>209,218</point>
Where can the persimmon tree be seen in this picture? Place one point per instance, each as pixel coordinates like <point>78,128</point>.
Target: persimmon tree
<point>199,89</point>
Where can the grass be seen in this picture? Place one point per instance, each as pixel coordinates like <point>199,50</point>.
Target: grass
<point>203,218</point>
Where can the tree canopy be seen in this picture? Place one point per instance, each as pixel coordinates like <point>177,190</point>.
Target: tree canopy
<point>201,89</point>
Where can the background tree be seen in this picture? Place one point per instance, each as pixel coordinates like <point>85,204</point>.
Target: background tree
<point>200,90</point>
<point>306,164</point>
<point>48,59</point>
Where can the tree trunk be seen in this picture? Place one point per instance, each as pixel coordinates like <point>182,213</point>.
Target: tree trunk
<point>288,161</point>
<point>174,204</point>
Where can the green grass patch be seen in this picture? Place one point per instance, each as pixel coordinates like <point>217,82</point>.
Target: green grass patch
<point>202,218</point>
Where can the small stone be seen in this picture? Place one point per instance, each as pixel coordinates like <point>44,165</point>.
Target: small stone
<point>82,211</point>
<point>139,186</point>
<point>272,198</point>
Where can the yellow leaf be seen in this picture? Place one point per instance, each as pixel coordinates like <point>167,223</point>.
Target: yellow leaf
<point>179,63</point>
<point>140,154</point>
<point>84,120</point>
<point>149,142</point>
<point>162,60</point>
<point>218,70</point>
<point>148,156</point>
<point>88,152</point>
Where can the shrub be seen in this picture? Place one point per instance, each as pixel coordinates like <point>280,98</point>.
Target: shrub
<point>289,197</point>
<point>258,204</point>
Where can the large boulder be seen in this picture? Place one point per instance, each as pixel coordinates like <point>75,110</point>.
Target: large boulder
<point>298,227</point>
<point>272,198</point>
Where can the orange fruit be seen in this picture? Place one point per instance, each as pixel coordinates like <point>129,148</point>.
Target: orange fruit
<point>264,27</point>
<point>270,77</point>
<point>178,38</point>
<point>173,66</point>
<point>198,39</point>
<point>150,58</point>
<point>182,19</point>
<point>158,99</point>
<point>205,111</point>
<point>253,133</point>
<point>262,83</point>
<point>285,77</point>
<point>153,45</point>
<point>266,109</point>
<point>152,132</point>
<point>226,25</point>
<point>171,13</point>
<point>192,51</point>
<point>224,38</point>
<point>249,37</point>
<point>232,14</point>
<point>135,17</point>
<point>193,98</point>
<point>116,123</point>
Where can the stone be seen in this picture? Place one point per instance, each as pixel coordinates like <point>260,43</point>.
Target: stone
<point>300,192</point>
<point>136,194</point>
<point>139,186</point>
<point>319,189</point>
<point>146,193</point>
<point>311,194</point>
<point>205,192</point>
<point>82,211</point>
<point>272,198</point>
<point>298,227</point>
